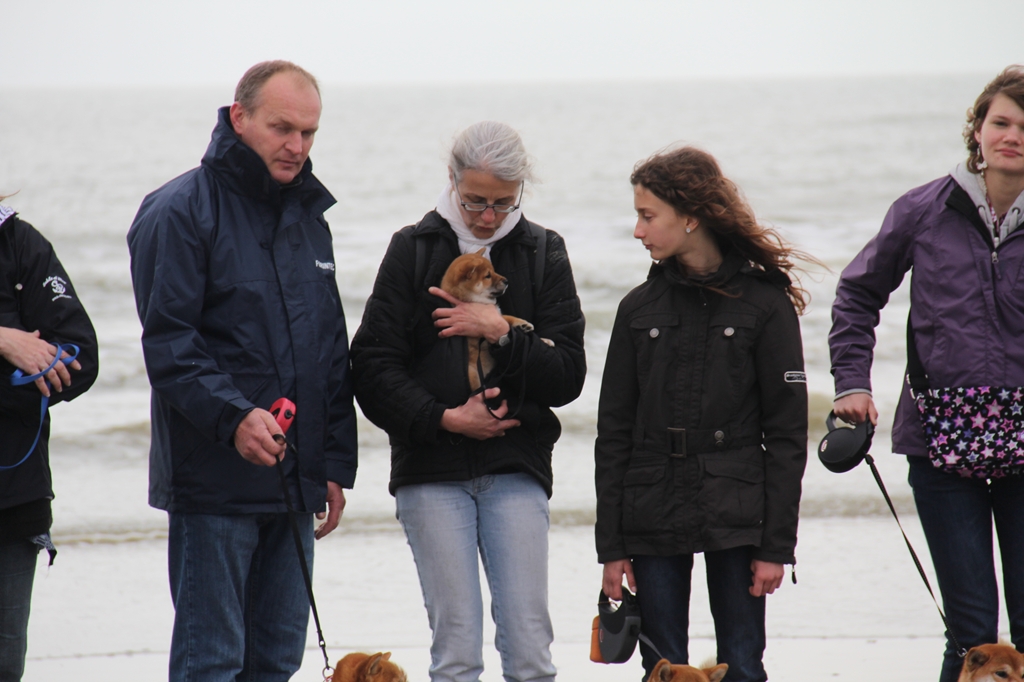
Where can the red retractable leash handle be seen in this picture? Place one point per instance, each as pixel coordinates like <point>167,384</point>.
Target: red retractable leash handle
<point>284,413</point>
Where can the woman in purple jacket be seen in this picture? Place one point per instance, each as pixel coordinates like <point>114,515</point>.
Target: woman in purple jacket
<point>959,235</point>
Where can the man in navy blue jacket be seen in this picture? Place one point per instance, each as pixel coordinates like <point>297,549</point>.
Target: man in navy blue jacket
<point>234,279</point>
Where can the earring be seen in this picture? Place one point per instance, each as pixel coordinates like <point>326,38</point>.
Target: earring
<point>689,230</point>
<point>982,163</point>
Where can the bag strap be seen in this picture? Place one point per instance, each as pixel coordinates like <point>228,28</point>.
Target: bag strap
<point>420,267</point>
<point>917,378</point>
<point>540,257</point>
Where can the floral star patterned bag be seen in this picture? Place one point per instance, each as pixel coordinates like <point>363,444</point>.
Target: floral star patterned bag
<point>973,431</point>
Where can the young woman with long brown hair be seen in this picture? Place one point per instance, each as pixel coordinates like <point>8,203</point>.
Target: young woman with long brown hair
<point>702,426</point>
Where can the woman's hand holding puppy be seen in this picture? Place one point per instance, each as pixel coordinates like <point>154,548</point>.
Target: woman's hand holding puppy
<point>468,319</point>
<point>473,420</point>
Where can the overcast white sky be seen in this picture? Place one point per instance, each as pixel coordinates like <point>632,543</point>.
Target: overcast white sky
<point>59,43</point>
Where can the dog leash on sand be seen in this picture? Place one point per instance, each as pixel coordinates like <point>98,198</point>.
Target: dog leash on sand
<point>283,411</point>
<point>18,378</point>
<point>960,650</point>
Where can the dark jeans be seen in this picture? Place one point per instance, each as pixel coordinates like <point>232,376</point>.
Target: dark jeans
<point>240,603</point>
<point>663,590</point>
<point>956,514</point>
<point>17,570</point>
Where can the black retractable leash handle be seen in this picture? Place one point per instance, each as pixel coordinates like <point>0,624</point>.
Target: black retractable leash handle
<point>842,449</point>
<point>621,627</point>
<point>284,413</point>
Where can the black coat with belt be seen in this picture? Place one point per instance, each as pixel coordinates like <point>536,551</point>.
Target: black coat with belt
<point>406,377</point>
<point>702,424</point>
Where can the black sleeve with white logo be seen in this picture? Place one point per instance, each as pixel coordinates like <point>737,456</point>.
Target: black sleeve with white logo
<point>36,293</point>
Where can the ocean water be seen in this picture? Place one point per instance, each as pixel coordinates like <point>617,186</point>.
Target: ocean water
<point>819,159</point>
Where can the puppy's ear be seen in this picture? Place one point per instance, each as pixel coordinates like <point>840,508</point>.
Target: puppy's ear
<point>482,251</point>
<point>717,673</point>
<point>662,671</point>
<point>374,667</point>
<point>975,659</point>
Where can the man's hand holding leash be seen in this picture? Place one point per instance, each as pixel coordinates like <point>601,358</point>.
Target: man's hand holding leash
<point>254,438</point>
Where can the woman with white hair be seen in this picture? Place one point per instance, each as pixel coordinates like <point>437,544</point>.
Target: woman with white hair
<point>471,471</point>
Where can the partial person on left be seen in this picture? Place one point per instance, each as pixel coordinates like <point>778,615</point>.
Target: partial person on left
<point>48,354</point>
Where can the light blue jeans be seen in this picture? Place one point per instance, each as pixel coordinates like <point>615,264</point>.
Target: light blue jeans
<point>240,603</point>
<point>502,519</point>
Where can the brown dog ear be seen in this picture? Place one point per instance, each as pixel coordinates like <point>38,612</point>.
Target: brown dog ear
<point>482,251</point>
<point>478,271</point>
<point>374,667</point>
<point>975,659</point>
<point>662,671</point>
<point>717,673</point>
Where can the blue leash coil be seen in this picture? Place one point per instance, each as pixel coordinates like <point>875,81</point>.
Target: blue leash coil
<point>18,378</point>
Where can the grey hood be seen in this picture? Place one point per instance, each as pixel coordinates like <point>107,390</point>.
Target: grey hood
<point>973,184</point>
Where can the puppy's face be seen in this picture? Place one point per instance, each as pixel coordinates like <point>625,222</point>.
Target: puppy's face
<point>472,278</point>
<point>993,663</point>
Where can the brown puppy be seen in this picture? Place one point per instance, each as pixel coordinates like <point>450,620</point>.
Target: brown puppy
<point>666,672</point>
<point>993,663</point>
<point>471,278</point>
<point>360,667</point>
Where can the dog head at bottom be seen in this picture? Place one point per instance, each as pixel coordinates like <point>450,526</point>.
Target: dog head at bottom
<point>360,667</point>
<point>993,663</point>
<point>666,672</point>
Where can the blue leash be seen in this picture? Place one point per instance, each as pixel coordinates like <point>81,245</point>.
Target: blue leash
<point>18,378</point>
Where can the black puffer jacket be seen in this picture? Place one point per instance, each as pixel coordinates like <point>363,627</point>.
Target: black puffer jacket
<point>406,377</point>
<point>35,293</point>
<point>702,426</point>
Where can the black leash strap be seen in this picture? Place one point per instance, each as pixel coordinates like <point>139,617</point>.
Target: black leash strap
<point>961,652</point>
<point>483,387</point>
<point>292,514</point>
<point>643,638</point>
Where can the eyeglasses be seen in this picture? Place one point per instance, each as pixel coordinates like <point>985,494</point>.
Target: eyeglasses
<point>497,208</point>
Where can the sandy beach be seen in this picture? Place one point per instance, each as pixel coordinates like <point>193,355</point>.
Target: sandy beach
<point>103,612</point>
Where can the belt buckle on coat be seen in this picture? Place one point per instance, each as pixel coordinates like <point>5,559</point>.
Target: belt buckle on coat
<point>677,442</point>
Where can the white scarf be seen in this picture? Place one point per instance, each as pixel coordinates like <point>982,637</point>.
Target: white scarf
<point>448,207</point>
